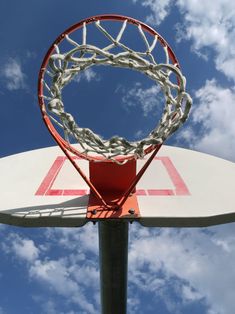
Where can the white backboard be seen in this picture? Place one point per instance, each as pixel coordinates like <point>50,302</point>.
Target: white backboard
<point>180,188</point>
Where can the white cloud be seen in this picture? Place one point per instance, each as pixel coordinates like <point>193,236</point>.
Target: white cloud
<point>211,24</point>
<point>60,276</point>
<point>213,129</point>
<point>133,305</point>
<point>31,54</point>
<point>90,75</point>
<point>160,10</point>
<point>190,262</point>
<point>88,275</point>
<point>150,100</point>
<point>68,239</point>
<point>50,306</point>
<point>68,276</point>
<point>71,275</point>
<point>87,75</point>
<point>139,134</point>
<point>13,76</point>
<point>24,249</point>
<point>189,294</point>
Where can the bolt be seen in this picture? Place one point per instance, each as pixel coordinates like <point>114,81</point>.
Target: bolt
<point>131,211</point>
<point>94,212</point>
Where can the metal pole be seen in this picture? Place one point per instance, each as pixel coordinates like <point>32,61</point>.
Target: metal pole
<point>113,250</point>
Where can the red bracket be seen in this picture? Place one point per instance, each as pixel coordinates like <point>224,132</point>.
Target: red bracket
<point>112,186</point>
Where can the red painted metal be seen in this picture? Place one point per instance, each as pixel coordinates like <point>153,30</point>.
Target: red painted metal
<point>112,180</point>
<point>109,177</point>
<point>138,177</point>
<point>97,211</point>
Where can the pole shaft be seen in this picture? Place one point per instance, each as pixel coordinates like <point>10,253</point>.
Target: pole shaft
<point>113,250</point>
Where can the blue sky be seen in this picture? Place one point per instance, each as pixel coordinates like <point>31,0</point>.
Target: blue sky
<point>170,270</point>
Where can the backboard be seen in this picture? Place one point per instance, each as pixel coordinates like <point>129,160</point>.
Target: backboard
<point>180,188</point>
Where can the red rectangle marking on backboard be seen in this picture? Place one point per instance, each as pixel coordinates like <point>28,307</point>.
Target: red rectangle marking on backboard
<point>158,192</point>
<point>177,180</point>
<point>141,192</point>
<point>75,192</point>
<point>45,187</point>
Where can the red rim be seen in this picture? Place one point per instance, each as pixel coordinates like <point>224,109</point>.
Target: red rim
<point>110,17</point>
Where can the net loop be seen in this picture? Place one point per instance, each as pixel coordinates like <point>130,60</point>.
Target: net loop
<point>63,67</point>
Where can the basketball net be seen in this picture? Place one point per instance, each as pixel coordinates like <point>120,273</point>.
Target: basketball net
<point>62,67</point>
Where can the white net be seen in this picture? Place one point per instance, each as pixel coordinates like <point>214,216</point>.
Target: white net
<point>63,66</point>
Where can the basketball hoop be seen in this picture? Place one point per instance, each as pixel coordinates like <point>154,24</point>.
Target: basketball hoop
<point>60,66</point>
<point>112,160</point>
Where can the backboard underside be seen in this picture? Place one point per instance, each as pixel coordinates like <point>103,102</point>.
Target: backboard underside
<point>180,188</point>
